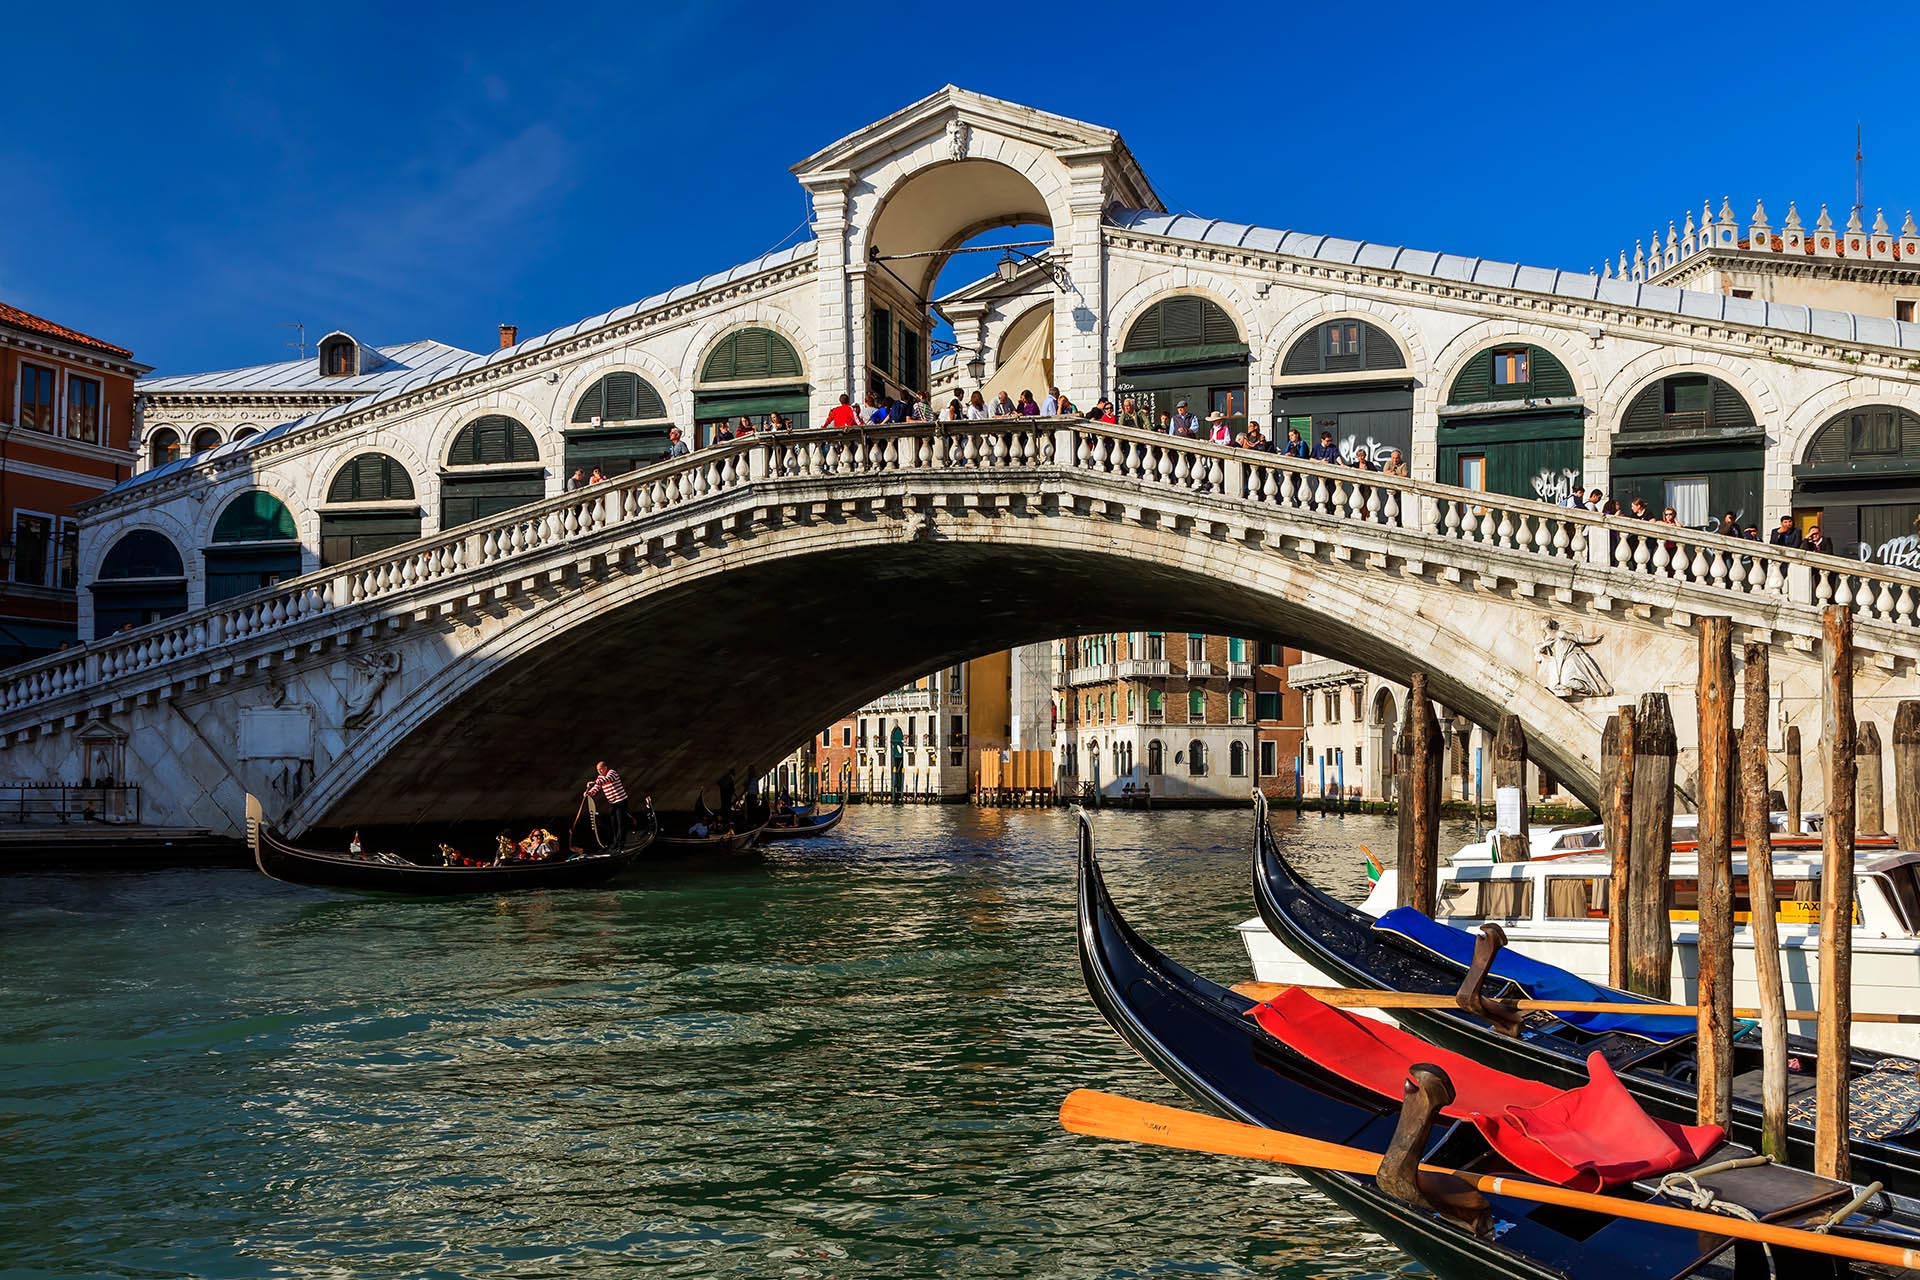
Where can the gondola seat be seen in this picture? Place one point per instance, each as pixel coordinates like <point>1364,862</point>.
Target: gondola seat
<point>1591,1137</point>
<point>1539,980</point>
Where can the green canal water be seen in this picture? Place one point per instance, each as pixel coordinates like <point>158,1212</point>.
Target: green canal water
<point>841,1060</point>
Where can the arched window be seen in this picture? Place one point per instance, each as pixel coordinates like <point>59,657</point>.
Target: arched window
<point>1691,442</point>
<point>1858,480</point>
<point>1185,348</point>
<point>142,580</point>
<point>1197,706</point>
<point>339,356</point>
<point>254,546</point>
<point>759,373</point>
<point>204,439</point>
<point>1237,706</point>
<point>1156,757</point>
<point>605,430</point>
<point>492,466</point>
<point>1342,346</point>
<point>1197,758</point>
<point>241,433</point>
<point>163,446</point>
<point>1506,429</point>
<point>1237,759</point>
<point>363,482</point>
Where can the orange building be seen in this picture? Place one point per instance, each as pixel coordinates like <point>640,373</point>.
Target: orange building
<point>66,426</point>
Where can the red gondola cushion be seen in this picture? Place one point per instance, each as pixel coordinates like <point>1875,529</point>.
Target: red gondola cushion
<point>1590,1138</point>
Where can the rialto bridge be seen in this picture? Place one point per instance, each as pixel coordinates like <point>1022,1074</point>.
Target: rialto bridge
<point>391,606</point>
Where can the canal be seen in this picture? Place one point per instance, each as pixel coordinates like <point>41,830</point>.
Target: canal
<point>843,1059</point>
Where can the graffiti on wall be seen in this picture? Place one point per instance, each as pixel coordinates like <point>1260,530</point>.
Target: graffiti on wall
<point>1556,487</point>
<point>1902,552</point>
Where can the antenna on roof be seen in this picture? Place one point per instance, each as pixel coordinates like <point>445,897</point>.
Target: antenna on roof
<point>1859,173</point>
<point>301,344</point>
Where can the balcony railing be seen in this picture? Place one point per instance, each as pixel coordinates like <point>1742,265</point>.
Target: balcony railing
<point>1239,671</point>
<point>1142,668</point>
<point>1156,715</point>
<point>1200,669</point>
<point>1098,673</point>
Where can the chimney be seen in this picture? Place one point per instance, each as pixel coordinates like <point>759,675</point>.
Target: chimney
<point>509,334</point>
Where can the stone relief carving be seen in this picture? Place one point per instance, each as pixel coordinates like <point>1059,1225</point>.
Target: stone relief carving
<point>959,138</point>
<point>368,676</point>
<point>1566,667</point>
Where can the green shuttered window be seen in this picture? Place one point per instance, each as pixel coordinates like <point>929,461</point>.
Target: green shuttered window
<point>620,397</point>
<point>1182,322</point>
<point>1544,376</point>
<point>254,516</point>
<point>491,440</point>
<point>371,477</point>
<point>1342,346</point>
<point>758,354</point>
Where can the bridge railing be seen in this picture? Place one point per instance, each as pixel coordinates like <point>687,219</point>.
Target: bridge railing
<point>1329,493</point>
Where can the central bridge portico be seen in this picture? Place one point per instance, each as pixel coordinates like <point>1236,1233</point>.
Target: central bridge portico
<point>706,612</point>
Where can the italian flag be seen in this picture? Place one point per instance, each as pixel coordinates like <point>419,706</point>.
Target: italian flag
<point>1373,866</point>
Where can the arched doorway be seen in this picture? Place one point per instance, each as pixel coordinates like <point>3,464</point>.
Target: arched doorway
<point>255,545</point>
<point>141,580</point>
<point>1368,407</point>
<point>1502,431</point>
<point>1859,480</point>
<point>1185,349</point>
<point>1691,442</point>
<point>1383,722</point>
<point>370,507</point>
<point>749,373</point>
<point>492,466</point>
<point>897,761</point>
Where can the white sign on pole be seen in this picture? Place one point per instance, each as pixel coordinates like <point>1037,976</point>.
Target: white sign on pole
<point>1506,810</point>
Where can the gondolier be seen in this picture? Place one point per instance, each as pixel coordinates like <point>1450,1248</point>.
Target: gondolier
<point>607,785</point>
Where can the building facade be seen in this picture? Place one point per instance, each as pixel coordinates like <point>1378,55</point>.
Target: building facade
<point>66,419</point>
<point>923,739</point>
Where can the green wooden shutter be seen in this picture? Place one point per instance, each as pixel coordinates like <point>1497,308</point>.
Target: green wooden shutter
<point>1182,322</point>
<point>254,516</point>
<point>751,353</point>
<point>370,477</point>
<point>1647,412</point>
<point>881,331</point>
<point>1304,355</point>
<point>1550,377</point>
<point>494,438</point>
<point>593,404</point>
<point>1378,350</point>
<point>143,553</point>
<point>1475,383</point>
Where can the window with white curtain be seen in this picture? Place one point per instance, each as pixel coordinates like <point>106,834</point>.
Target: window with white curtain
<point>1688,498</point>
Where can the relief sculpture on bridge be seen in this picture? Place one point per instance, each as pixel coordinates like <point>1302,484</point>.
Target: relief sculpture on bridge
<point>1566,668</point>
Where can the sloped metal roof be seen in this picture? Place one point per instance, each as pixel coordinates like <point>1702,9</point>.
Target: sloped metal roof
<point>1839,325</point>
<point>397,364</point>
<point>457,363</point>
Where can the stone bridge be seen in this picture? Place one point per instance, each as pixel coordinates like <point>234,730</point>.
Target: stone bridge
<point>714,609</point>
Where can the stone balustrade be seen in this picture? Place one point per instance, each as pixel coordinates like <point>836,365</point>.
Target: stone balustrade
<point>1425,521</point>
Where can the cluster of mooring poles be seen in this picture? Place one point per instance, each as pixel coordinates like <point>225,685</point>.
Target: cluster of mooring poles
<point>1638,752</point>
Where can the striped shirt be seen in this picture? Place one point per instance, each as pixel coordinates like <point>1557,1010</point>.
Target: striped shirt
<point>609,785</point>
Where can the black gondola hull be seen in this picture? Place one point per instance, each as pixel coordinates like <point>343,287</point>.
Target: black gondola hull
<point>1339,940</point>
<point>808,827</point>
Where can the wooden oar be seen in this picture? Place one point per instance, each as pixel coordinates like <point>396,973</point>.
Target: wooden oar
<point>1362,998</point>
<point>1107,1115</point>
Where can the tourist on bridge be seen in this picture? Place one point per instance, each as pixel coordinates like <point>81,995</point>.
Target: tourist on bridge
<point>777,423</point>
<point>676,447</point>
<point>1133,416</point>
<point>1257,440</point>
<point>1219,430</point>
<point>577,480</point>
<point>1786,535</point>
<point>955,411</point>
<point>1729,526</point>
<point>1295,447</point>
<point>1596,501</point>
<point>1184,423</point>
<point>843,414</point>
<point>1816,541</point>
<point>1397,465</point>
<point>1050,407</point>
<point>977,407</point>
<point>598,477</point>
<point>607,785</point>
<point>1029,407</point>
<point>1326,450</point>
<point>1004,407</point>
<point>721,432</point>
<point>1166,424</point>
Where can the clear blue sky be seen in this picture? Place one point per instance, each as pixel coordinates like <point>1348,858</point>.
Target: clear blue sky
<point>183,182</point>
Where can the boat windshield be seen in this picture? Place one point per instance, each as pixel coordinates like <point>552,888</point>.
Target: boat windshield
<point>1485,900</point>
<point>1903,888</point>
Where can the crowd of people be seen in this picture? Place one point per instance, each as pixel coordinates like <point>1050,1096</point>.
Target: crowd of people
<point>1785,534</point>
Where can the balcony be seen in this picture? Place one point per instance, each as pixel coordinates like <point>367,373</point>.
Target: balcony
<point>1239,671</point>
<point>1143,668</point>
<point>907,700</point>
<point>1200,669</point>
<point>1156,715</point>
<point>1098,673</point>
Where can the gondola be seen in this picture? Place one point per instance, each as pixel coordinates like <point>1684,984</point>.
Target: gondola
<point>392,873</point>
<point>1660,1070</point>
<point>1199,1036</point>
<point>803,826</point>
<point>733,844</point>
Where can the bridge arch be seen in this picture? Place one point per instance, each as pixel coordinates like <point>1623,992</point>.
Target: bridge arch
<point>1373,409</point>
<point>1521,449</point>
<point>872,626</point>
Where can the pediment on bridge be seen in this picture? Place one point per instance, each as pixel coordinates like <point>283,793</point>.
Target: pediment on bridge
<point>968,120</point>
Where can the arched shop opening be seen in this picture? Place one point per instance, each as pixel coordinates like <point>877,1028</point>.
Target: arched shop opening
<point>1690,442</point>
<point>142,580</point>
<point>370,507</point>
<point>1185,348</point>
<point>620,423</point>
<point>749,373</point>
<point>493,466</point>
<point>255,545</point>
<point>1348,377</point>
<point>1512,425</point>
<point>1859,479</point>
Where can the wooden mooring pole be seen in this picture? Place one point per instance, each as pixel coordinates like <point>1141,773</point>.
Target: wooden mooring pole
<point>1609,776</point>
<point>1763,925</point>
<point>1870,814</point>
<point>1835,1039</point>
<point>1715,948</point>
<point>1791,749</point>
<point>1510,790</point>
<point>1420,812</point>
<point>1906,772</point>
<point>1649,889</point>
<point>1620,813</point>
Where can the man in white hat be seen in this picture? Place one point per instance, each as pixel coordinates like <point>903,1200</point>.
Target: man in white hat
<point>1220,432</point>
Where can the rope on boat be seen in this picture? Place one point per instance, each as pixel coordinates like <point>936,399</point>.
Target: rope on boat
<point>1685,1186</point>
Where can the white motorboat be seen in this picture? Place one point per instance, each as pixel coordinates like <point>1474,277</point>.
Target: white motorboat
<point>1556,910</point>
